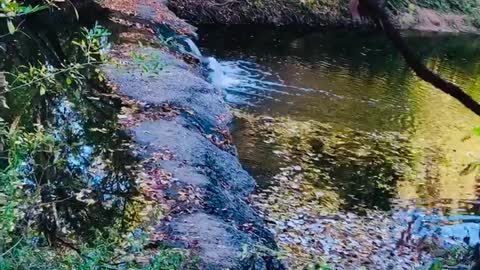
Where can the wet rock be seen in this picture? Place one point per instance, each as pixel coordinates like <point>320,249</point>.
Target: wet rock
<point>153,11</point>
<point>218,222</point>
<point>173,82</point>
<point>219,247</point>
<point>191,148</point>
<point>186,174</point>
<point>196,161</point>
<point>219,244</point>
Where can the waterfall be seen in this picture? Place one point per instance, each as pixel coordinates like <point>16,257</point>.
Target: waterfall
<point>243,81</point>
<point>193,49</point>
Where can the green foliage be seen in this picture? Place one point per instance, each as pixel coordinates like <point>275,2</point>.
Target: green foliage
<point>94,44</point>
<point>55,213</point>
<point>251,254</point>
<point>149,63</point>
<point>10,9</point>
<point>462,6</point>
<point>170,259</point>
<point>31,83</point>
<point>105,253</point>
<point>167,41</point>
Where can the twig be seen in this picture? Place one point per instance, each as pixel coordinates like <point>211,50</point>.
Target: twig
<point>12,247</point>
<point>378,13</point>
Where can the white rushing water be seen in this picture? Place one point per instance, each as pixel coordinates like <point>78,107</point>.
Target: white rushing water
<point>193,48</point>
<point>245,82</point>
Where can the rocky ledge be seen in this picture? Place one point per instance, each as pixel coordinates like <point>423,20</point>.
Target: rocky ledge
<point>182,132</point>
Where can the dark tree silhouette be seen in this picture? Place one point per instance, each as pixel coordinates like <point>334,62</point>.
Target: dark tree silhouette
<point>374,10</point>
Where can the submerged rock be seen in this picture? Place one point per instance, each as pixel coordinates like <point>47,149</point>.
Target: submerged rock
<point>157,77</point>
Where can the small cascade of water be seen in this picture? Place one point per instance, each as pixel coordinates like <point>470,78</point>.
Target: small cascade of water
<point>193,48</point>
<point>244,82</point>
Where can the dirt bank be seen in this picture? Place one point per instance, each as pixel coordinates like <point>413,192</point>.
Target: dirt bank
<point>284,12</point>
<point>179,122</point>
<point>312,13</point>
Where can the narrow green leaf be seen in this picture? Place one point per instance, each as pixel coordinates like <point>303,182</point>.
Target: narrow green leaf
<point>11,27</point>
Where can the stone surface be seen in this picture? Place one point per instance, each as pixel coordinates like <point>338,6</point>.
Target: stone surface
<point>223,223</point>
<point>219,247</point>
<point>193,149</point>
<point>171,82</point>
<point>433,21</point>
<point>150,10</point>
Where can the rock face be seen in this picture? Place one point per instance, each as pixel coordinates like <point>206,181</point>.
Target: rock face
<point>173,82</point>
<point>153,11</point>
<point>222,224</point>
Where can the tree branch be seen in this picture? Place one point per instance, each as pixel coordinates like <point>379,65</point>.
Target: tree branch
<point>378,13</point>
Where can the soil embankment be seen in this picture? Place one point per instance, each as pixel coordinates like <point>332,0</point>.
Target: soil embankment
<point>314,13</point>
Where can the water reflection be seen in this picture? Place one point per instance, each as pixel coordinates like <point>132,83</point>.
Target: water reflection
<point>75,163</point>
<point>358,161</point>
<point>357,82</point>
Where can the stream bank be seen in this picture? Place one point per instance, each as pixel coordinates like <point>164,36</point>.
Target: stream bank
<point>115,149</point>
<point>416,15</point>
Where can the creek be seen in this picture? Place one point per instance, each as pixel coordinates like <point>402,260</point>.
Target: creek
<point>359,163</point>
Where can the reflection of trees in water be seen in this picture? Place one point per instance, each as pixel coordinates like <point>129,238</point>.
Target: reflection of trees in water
<point>83,172</point>
<point>74,164</point>
<point>429,188</point>
<point>76,169</point>
<point>371,70</point>
<point>370,52</point>
<point>361,168</point>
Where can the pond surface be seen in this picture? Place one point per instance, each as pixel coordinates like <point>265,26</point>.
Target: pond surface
<point>334,123</point>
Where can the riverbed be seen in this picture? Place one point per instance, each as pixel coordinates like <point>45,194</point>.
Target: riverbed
<point>351,151</point>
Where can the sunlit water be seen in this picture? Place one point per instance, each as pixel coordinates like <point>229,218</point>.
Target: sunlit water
<point>334,121</point>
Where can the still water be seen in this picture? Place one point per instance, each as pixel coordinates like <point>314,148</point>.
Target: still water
<point>357,81</point>
<point>334,122</point>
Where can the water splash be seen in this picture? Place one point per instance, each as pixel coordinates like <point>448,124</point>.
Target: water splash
<point>246,82</point>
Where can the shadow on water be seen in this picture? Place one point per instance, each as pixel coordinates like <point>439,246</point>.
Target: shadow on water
<point>85,171</point>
